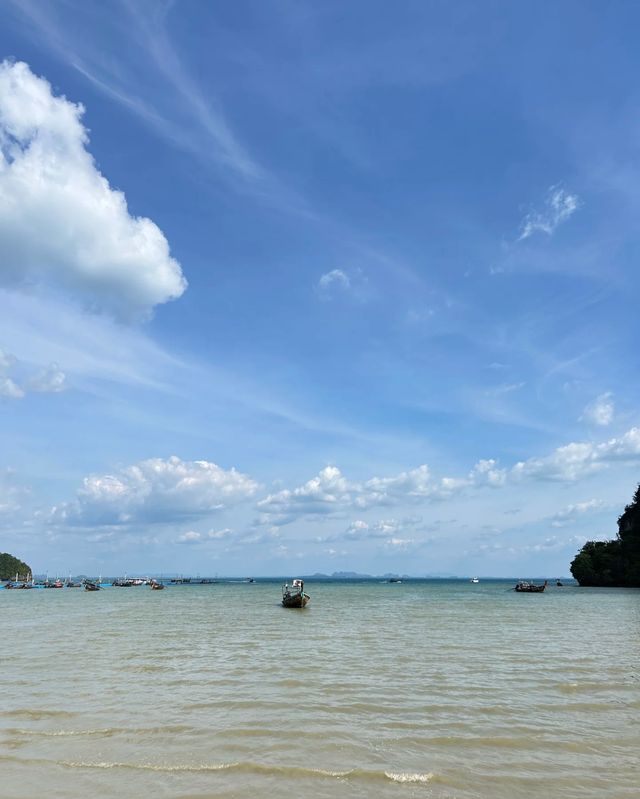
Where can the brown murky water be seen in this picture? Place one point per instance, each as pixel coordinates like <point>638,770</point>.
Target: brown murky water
<point>435,689</point>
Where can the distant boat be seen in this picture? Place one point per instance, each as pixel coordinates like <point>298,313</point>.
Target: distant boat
<point>90,586</point>
<point>559,583</point>
<point>529,588</point>
<point>474,580</point>
<point>293,596</point>
<point>394,580</point>
<point>156,586</point>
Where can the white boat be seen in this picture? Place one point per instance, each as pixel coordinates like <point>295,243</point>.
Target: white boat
<point>474,580</point>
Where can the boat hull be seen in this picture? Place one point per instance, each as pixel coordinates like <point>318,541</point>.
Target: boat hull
<point>295,600</point>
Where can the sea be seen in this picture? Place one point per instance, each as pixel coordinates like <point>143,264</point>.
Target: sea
<point>425,688</point>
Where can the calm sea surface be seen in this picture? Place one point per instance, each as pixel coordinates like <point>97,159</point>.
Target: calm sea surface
<point>427,688</point>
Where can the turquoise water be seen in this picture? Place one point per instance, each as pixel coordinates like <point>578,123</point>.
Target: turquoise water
<point>429,688</point>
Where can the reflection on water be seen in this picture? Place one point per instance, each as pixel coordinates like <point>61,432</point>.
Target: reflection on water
<point>426,688</point>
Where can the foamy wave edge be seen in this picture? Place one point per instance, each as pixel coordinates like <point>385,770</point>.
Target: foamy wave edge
<point>402,776</point>
<point>264,768</point>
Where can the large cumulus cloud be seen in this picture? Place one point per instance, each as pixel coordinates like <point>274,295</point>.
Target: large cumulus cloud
<point>61,223</point>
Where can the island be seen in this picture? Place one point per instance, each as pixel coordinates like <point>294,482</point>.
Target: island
<point>10,566</point>
<point>613,563</point>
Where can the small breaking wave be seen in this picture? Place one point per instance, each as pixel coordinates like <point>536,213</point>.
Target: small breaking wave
<point>261,768</point>
<point>408,777</point>
<point>30,713</point>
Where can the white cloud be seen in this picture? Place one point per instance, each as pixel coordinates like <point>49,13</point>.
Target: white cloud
<point>10,389</point>
<point>571,512</point>
<point>189,537</point>
<point>576,460</point>
<point>323,494</point>
<point>87,241</point>
<point>193,537</point>
<point>336,278</point>
<point>559,206</point>
<point>155,490</point>
<point>51,380</point>
<point>600,411</point>
<point>361,530</point>
<point>331,493</point>
<point>486,472</point>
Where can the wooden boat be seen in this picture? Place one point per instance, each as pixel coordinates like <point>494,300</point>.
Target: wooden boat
<point>89,586</point>
<point>530,588</point>
<point>293,596</point>
<point>156,586</point>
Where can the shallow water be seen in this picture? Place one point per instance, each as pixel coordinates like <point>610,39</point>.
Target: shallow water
<point>426,688</point>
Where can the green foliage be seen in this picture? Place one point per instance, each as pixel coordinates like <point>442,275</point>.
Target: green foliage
<point>617,562</point>
<point>10,566</point>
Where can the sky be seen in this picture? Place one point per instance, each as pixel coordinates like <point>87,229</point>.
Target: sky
<point>296,287</point>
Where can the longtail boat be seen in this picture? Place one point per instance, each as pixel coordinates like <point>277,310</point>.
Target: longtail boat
<point>293,596</point>
<point>524,587</point>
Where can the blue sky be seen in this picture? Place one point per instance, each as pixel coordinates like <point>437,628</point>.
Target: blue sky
<point>291,287</point>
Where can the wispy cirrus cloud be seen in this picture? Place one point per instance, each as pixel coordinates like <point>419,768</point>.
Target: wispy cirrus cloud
<point>142,28</point>
<point>559,205</point>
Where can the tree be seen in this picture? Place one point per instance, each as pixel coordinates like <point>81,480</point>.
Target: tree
<point>616,562</point>
<point>10,566</point>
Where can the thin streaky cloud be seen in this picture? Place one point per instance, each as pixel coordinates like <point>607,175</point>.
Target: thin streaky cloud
<point>558,207</point>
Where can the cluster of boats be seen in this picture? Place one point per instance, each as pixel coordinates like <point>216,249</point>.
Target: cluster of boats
<point>29,582</point>
<point>88,585</point>
<point>293,595</point>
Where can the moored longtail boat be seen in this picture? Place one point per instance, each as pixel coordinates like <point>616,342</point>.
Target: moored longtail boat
<point>293,596</point>
<point>529,588</point>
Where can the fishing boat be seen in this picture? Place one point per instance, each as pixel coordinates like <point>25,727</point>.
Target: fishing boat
<point>90,586</point>
<point>156,586</point>
<point>529,588</point>
<point>293,596</point>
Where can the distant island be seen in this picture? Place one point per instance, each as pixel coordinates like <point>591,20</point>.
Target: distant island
<point>10,566</point>
<point>613,563</point>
